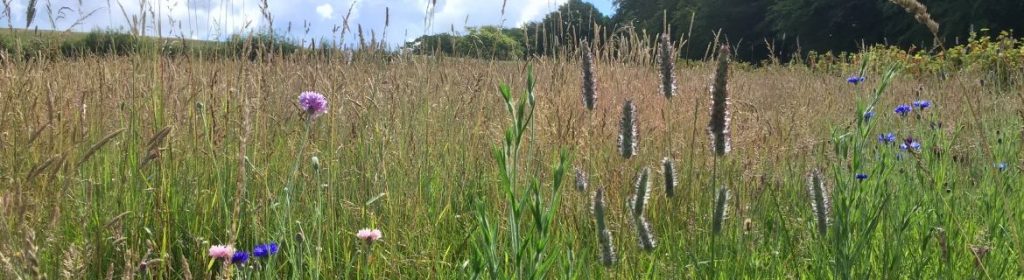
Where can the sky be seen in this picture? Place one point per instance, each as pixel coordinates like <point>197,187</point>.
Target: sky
<point>301,19</point>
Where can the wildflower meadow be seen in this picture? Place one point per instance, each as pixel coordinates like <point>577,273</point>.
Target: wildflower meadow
<point>602,162</point>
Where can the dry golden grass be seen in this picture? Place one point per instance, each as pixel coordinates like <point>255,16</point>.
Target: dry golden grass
<point>142,155</point>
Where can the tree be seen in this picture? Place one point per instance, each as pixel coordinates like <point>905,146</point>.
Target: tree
<point>573,21</point>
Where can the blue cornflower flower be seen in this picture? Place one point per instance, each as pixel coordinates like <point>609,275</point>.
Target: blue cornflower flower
<point>887,138</point>
<point>1001,166</point>
<point>855,79</point>
<point>264,250</point>
<point>868,115</point>
<point>861,176</point>
<point>910,143</point>
<point>240,257</point>
<point>903,110</point>
<point>921,104</point>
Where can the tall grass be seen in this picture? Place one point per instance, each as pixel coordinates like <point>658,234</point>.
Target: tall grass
<point>132,166</point>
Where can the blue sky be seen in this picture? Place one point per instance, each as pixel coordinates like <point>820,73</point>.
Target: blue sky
<point>214,19</point>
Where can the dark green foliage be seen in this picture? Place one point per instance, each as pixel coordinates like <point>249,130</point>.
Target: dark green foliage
<point>31,45</point>
<point>799,26</point>
<point>488,42</point>
<point>102,43</point>
<point>256,46</point>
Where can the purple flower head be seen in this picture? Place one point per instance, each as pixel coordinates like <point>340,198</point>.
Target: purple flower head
<point>855,79</point>
<point>887,138</point>
<point>240,257</point>
<point>921,104</point>
<point>264,250</point>
<point>903,110</point>
<point>910,143</point>
<point>861,176</point>
<point>868,115</point>
<point>313,103</point>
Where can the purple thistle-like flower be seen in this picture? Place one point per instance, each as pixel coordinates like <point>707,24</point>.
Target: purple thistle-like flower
<point>922,104</point>
<point>313,103</point>
<point>264,250</point>
<point>887,138</point>
<point>903,110</point>
<point>861,176</point>
<point>240,257</point>
<point>855,79</point>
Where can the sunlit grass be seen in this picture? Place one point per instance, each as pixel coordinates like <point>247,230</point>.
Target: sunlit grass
<point>406,148</point>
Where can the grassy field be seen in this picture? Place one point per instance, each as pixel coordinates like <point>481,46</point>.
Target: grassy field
<point>133,167</point>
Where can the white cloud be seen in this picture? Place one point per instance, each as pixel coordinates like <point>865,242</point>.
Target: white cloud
<point>217,19</point>
<point>537,9</point>
<point>326,11</point>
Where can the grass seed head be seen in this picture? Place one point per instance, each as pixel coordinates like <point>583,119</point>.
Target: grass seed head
<point>628,130</point>
<point>821,204</point>
<point>642,187</point>
<point>589,79</point>
<point>604,235</point>
<point>667,67</point>
<point>668,169</point>
<point>721,209</point>
<point>718,128</point>
<point>581,180</point>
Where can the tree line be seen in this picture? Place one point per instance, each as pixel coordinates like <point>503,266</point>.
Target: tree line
<point>757,29</point>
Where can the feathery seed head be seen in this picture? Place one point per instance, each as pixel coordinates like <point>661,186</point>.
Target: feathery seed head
<point>604,235</point>
<point>721,209</point>
<point>720,118</point>
<point>581,180</point>
<point>667,59</point>
<point>589,79</point>
<point>628,130</point>
<point>642,187</point>
<point>668,169</point>
<point>821,203</point>
<point>645,236</point>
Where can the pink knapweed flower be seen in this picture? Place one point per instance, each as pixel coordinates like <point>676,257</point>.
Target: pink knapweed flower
<point>369,235</point>
<point>221,251</point>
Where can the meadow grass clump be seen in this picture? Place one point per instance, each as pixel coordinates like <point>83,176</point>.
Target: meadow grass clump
<point>136,166</point>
